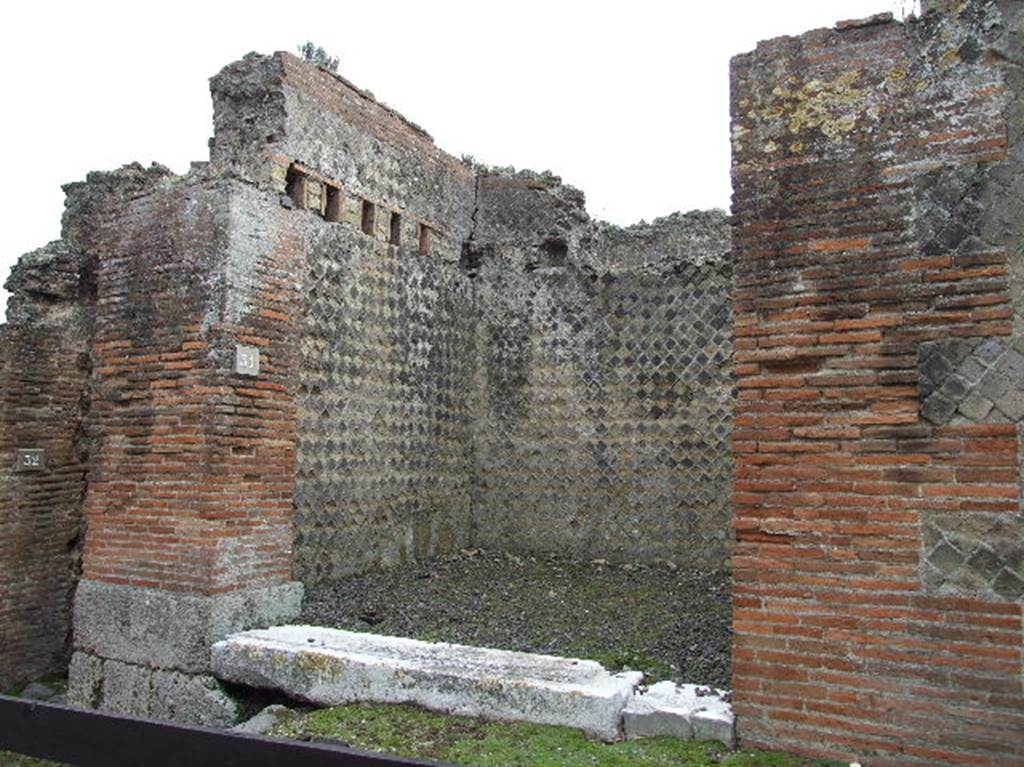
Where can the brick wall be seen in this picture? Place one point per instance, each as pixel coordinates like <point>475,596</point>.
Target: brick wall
<point>43,373</point>
<point>877,613</point>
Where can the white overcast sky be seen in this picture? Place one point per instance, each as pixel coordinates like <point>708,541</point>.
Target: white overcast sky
<point>627,100</point>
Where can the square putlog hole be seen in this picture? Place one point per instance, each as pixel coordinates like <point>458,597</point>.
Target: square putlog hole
<point>335,208</point>
<point>369,218</point>
<point>395,237</point>
<point>425,240</point>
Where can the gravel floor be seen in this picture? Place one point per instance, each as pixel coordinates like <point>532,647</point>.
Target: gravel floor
<point>669,624</point>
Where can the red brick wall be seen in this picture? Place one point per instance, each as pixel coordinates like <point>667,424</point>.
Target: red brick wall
<point>43,373</point>
<point>849,255</point>
<point>192,476</point>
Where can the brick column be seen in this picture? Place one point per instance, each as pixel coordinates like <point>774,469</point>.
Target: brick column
<point>189,502</point>
<point>880,558</point>
<point>44,372</point>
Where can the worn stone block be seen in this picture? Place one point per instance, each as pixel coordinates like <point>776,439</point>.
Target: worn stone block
<point>170,630</point>
<point>971,370</point>
<point>994,385</point>
<point>331,667</point>
<point>127,689</point>
<point>85,680</point>
<point>1011,404</point>
<point>938,409</point>
<point>195,699</point>
<point>989,351</point>
<point>681,711</point>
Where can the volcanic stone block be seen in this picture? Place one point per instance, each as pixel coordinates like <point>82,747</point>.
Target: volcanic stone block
<point>972,381</point>
<point>174,631</point>
<point>194,698</point>
<point>979,554</point>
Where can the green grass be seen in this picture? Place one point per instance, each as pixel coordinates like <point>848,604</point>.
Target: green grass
<point>17,760</point>
<point>412,732</point>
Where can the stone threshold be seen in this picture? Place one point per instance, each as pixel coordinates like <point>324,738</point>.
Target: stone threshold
<point>331,667</point>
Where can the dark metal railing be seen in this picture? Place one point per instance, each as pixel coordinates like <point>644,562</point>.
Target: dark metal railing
<point>97,739</point>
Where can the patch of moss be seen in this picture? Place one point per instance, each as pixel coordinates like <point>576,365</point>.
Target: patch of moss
<point>412,732</point>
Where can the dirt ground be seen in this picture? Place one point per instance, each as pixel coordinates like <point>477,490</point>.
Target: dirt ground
<point>669,623</point>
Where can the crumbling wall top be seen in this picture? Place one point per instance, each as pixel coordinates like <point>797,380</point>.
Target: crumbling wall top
<point>669,243</point>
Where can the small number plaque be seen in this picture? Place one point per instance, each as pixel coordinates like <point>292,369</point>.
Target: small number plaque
<point>247,360</point>
<point>31,460</point>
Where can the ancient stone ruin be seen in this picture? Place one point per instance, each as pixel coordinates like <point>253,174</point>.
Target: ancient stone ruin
<point>334,347</point>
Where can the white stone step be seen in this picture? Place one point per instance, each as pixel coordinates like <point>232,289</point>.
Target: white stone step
<point>330,667</point>
<point>684,711</point>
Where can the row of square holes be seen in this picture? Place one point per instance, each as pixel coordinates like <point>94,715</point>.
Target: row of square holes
<point>330,202</point>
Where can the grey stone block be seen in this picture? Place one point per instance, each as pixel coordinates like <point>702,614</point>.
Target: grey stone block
<point>192,699</point>
<point>1008,586</point>
<point>994,385</point>
<point>85,680</point>
<point>167,630</point>
<point>127,689</point>
<point>957,349</point>
<point>934,367</point>
<point>954,389</point>
<point>985,563</point>
<point>990,351</point>
<point>946,559</point>
<point>971,370</point>
<point>1011,404</point>
<point>975,407</point>
<point>938,409</point>
<point>1013,365</point>
<point>650,722</point>
<point>714,722</point>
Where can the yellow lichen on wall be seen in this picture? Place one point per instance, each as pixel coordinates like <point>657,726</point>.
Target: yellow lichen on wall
<point>832,107</point>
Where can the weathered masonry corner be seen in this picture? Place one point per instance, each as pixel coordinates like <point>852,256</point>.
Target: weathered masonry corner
<point>878,172</point>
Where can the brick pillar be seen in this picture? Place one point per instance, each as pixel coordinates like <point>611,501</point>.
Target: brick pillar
<point>43,375</point>
<point>189,502</point>
<point>879,569</point>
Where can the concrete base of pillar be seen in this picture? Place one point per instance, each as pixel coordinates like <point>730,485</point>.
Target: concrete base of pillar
<point>146,652</point>
<point>125,688</point>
